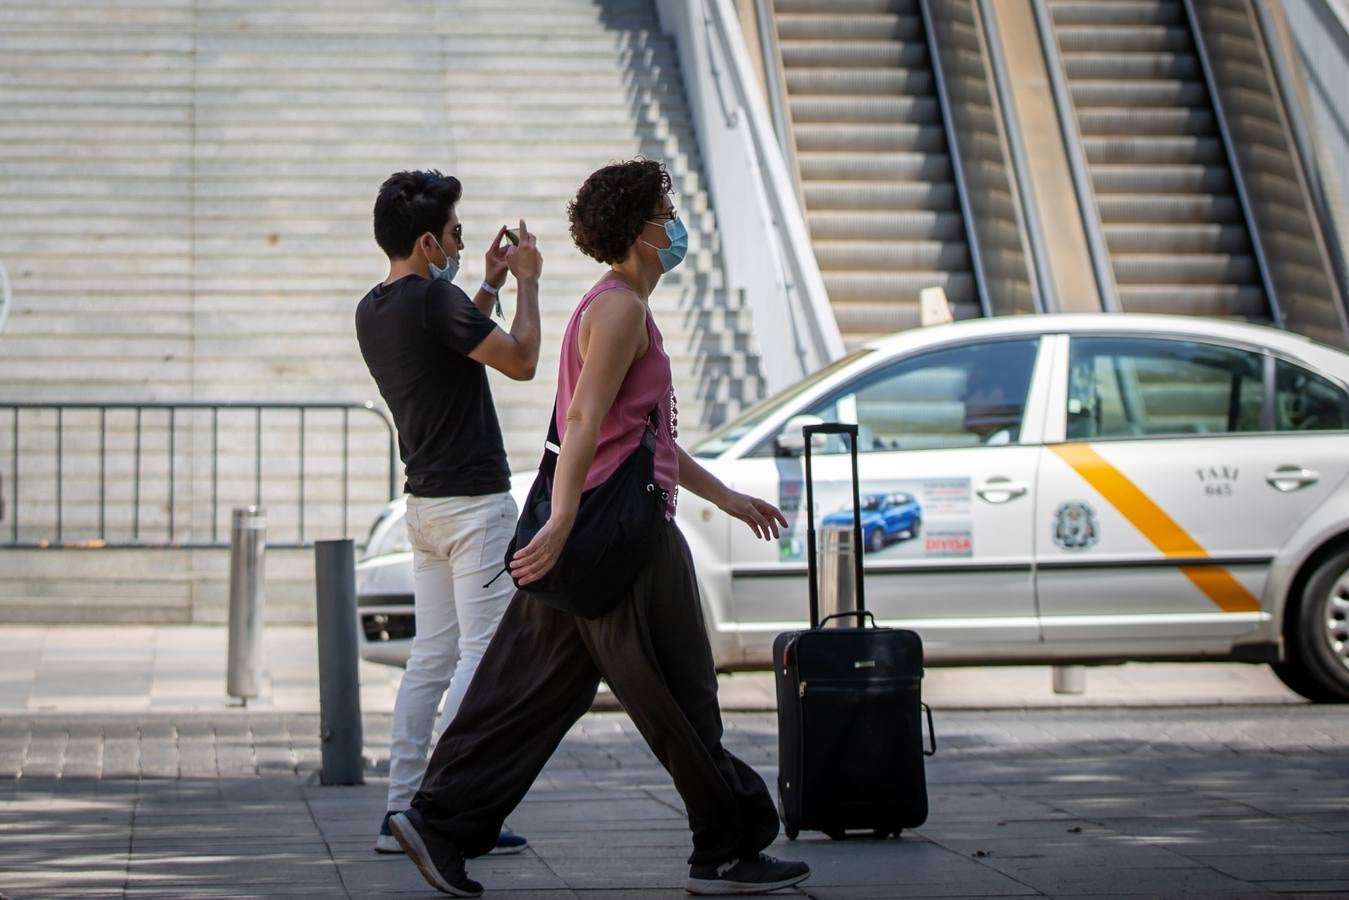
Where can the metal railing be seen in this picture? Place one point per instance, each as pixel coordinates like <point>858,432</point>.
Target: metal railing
<point>1269,165</point>
<point>765,244</point>
<point>981,158</point>
<point>1077,160</point>
<point>161,474</point>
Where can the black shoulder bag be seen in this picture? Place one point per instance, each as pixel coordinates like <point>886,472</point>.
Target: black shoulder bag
<point>613,539</point>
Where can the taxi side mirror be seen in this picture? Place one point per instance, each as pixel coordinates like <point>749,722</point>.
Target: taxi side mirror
<point>791,442</point>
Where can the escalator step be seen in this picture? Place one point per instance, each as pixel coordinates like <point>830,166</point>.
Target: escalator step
<point>889,287</point>
<point>1187,238</point>
<point>842,7</point>
<point>1192,179</point>
<point>1169,208</point>
<point>860,81</point>
<point>1178,150</point>
<point>1124,39</point>
<point>841,166</point>
<point>860,195</point>
<point>870,137</point>
<point>870,319</point>
<point>1153,92</point>
<point>1145,122</point>
<point>892,110</point>
<point>1219,300</point>
<point>855,26</point>
<point>911,225</point>
<point>875,255</point>
<point>840,54</point>
<point>1117,12</point>
<point>1096,66</point>
<point>1186,268</point>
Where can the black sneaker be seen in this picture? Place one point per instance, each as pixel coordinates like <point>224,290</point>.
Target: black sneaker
<point>746,875</point>
<point>443,870</point>
<point>385,842</point>
<point>508,842</point>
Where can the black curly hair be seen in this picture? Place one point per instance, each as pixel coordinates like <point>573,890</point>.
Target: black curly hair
<point>612,206</point>
<point>409,205</point>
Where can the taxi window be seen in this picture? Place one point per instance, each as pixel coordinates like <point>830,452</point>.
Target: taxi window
<point>1304,401</point>
<point>1137,387</point>
<point>958,397</point>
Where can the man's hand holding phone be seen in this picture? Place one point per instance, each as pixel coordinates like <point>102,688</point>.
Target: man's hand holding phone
<point>522,258</point>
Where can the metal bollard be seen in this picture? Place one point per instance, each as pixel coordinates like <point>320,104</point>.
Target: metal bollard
<point>1070,679</point>
<point>838,593</point>
<point>248,543</point>
<point>339,676</point>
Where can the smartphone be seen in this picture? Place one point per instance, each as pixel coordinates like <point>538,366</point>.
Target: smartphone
<point>512,237</point>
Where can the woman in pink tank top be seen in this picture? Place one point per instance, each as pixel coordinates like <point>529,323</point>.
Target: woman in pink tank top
<point>541,671</point>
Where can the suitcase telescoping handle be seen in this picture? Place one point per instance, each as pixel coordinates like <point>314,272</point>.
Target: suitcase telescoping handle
<point>807,432</point>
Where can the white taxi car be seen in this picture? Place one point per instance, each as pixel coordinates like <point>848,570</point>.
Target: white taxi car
<point>1090,489</point>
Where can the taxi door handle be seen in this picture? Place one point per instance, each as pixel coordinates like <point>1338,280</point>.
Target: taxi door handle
<point>1000,490</point>
<point>1290,478</point>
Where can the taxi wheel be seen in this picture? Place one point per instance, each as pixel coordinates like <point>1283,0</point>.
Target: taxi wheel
<point>1318,635</point>
<point>876,542</point>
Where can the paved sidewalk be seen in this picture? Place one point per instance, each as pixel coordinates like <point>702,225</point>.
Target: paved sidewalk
<point>181,668</point>
<point>1236,802</point>
<point>126,772</point>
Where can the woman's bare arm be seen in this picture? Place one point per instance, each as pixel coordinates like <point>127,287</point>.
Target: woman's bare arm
<point>762,517</point>
<point>613,334</point>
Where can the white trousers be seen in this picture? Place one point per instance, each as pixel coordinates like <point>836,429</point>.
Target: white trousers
<point>457,546</point>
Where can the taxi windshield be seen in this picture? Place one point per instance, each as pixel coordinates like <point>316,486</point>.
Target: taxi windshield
<point>725,437</point>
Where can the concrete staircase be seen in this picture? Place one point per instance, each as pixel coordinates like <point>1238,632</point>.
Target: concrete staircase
<point>185,196</point>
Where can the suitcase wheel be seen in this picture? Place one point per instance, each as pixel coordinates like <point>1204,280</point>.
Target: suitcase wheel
<point>792,833</point>
<point>881,834</point>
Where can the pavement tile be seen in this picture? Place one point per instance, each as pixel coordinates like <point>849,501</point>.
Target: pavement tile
<point>1055,878</point>
<point>1284,867</point>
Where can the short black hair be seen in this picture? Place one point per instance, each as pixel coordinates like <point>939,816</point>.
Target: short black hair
<point>614,204</point>
<point>409,205</point>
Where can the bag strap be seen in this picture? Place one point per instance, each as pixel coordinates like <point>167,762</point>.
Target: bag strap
<point>552,446</point>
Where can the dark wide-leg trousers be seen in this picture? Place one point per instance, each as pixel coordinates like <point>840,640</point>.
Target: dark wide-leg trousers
<point>540,674</point>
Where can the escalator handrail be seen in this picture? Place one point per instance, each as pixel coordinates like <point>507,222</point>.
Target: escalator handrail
<point>1234,161</point>
<point>783,127</point>
<point>1283,72</point>
<point>1014,150</point>
<point>1077,160</point>
<point>957,166</point>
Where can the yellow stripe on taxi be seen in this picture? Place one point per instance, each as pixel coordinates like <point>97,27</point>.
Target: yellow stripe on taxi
<point>1165,533</point>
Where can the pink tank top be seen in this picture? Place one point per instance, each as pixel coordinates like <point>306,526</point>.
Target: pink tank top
<point>648,385</point>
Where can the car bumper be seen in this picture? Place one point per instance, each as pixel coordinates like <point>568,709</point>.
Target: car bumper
<point>385,620</point>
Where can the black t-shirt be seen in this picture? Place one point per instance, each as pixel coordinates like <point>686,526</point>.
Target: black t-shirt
<point>415,335</point>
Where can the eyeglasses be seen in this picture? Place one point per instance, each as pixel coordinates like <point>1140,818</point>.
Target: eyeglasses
<point>458,232</point>
<point>668,217</point>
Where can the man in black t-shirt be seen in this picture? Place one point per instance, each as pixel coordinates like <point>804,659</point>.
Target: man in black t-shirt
<point>427,345</point>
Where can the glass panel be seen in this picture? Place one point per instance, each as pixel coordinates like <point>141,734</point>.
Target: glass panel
<point>960,397</point>
<point>725,437</point>
<point>1304,401</point>
<point>1132,387</point>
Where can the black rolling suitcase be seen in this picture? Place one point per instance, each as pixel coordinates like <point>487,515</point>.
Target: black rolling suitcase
<point>850,710</point>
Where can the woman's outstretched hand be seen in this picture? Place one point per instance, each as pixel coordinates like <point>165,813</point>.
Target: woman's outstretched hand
<point>538,557</point>
<point>762,517</point>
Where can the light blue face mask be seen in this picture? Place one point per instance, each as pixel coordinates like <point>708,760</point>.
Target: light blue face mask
<point>448,271</point>
<point>672,255</point>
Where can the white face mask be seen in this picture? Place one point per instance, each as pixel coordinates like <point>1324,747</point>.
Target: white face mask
<point>449,270</point>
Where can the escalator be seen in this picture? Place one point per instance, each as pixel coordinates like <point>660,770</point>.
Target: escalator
<point>876,175</point>
<point>1177,237</point>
